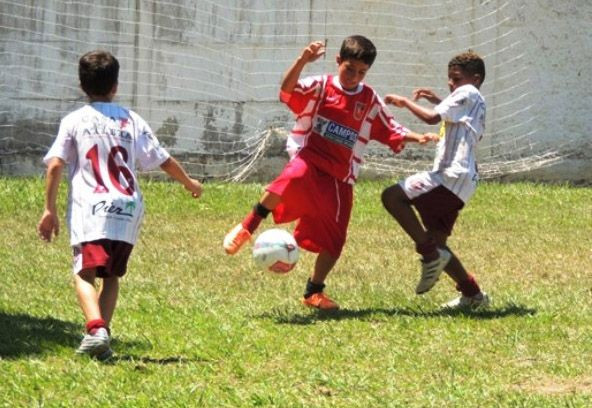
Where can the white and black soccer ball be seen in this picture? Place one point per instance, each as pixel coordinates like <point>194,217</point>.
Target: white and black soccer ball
<point>276,250</point>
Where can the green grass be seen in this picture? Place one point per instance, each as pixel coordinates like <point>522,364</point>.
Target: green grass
<point>197,328</point>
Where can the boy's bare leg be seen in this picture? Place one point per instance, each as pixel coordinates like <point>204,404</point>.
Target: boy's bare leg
<point>108,297</point>
<point>323,265</point>
<point>86,292</point>
<point>395,201</point>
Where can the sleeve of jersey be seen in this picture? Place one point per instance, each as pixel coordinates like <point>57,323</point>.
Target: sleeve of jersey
<point>149,153</point>
<point>455,106</point>
<point>63,146</point>
<point>298,99</point>
<point>386,130</point>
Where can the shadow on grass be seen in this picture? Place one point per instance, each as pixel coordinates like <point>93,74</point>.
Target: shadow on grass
<point>22,335</point>
<point>312,316</point>
<point>144,360</point>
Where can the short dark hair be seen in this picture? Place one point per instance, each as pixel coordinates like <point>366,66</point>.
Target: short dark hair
<point>98,72</point>
<point>470,63</point>
<point>358,47</point>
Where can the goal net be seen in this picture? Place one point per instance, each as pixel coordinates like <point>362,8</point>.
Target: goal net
<point>205,74</point>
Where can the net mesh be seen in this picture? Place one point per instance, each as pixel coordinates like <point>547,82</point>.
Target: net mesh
<point>205,74</point>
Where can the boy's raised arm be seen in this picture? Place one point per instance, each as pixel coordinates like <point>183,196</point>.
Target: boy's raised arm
<point>426,93</point>
<point>311,53</point>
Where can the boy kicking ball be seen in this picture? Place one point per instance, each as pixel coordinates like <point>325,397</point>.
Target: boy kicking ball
<point>102,142</point>
<point>440,194</point>
<point>336,117</point>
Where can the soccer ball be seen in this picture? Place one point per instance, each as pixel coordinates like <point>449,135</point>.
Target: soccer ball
<point>275,250</point>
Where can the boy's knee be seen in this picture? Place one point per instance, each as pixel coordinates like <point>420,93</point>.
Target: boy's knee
<point>87,275</point>
<point>392,195</point>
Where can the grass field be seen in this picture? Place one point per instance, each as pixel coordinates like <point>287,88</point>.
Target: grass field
<point>197,328</point>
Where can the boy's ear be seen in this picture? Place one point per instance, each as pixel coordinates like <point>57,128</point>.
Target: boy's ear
<point>338,59</point>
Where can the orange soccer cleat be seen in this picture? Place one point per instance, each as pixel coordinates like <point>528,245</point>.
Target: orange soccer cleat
<point>235,239</point>
<point>320,301</point>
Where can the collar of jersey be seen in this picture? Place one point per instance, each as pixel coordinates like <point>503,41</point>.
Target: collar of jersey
<point>337,84</point>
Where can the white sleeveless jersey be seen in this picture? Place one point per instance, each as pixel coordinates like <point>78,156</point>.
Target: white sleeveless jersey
<point>463,116</point>
<point>103,143</point>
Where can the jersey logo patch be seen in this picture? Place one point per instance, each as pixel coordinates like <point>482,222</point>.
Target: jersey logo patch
<point>359,109</point>
<point>335,132</point>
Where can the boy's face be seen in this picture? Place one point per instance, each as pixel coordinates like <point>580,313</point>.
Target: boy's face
<point>351,72</point>
<point>457,78</point>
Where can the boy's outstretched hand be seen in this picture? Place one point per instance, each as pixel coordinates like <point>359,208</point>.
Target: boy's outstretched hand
<point>426,93</point>
<point>429,137</point>
<point>48,226</point>
<point>394,99</point>
<point>313,51</point>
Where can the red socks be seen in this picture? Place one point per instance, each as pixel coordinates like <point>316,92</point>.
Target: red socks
<point>93,325</point>
<point>468,287</point>
<point>252,221</point>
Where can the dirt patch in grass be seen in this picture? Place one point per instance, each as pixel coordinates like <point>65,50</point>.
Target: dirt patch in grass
<point>557,386</point>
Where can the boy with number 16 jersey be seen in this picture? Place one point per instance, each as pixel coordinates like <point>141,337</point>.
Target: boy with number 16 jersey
<point>102,143</point>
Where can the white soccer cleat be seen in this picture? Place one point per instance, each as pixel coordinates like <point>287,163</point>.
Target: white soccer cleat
<point>480,300</point>
<point>431,271</point>
<point>96,345</point>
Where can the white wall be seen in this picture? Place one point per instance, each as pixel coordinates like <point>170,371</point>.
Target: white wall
<point>205,74</point>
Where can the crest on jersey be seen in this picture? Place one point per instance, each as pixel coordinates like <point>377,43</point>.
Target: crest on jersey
<point>359,110</point>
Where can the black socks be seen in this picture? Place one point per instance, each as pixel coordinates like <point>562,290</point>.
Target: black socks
<point>312,288</point>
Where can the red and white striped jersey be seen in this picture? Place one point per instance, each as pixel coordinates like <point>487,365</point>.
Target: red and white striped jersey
<point>333,126</point>
<point>102,144</point>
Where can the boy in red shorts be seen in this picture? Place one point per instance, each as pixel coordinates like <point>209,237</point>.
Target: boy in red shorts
<point>102,142</point>
<point>440,194</point>
<point>336,117</point>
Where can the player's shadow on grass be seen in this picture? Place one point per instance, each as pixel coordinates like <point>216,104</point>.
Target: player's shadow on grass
<point>142,361</point>
<point>23,335</point>
<point>312,316</point>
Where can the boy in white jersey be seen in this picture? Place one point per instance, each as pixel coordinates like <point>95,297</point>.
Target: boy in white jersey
<point>102,143</point>
<point>440,194</point>
<point>336,117</point>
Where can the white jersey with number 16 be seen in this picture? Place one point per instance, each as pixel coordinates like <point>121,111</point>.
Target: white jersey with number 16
<point>103,143</point>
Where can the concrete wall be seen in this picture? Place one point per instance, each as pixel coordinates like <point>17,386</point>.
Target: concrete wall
<point>206,74</point>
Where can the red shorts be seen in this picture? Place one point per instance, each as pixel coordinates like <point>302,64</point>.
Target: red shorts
<point>107,256</point>
<point>438,209</point>
<point>321,204</point>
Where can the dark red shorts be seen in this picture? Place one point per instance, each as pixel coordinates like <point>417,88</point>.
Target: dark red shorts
<point>438,208</point>
<point>107,256</point>
<point>321,204</point>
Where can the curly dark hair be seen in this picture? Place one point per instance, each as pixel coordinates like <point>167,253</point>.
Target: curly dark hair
<point>358,47</point>
<point>470,63</point>
<point>98,72</point>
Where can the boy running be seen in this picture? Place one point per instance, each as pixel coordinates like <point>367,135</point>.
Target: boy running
<point>440,194</point>
<point>102,142</point>
<point>336,117</point>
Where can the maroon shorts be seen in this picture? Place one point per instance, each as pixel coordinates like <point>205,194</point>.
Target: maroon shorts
<point>107,256</point>
<point>321,204</point>
<point>438,209</point>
